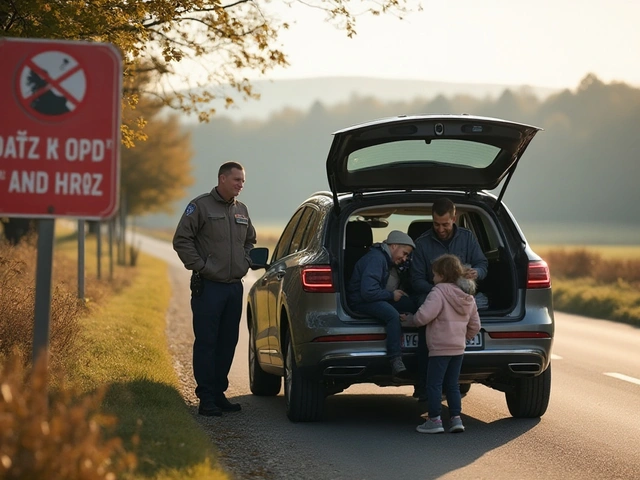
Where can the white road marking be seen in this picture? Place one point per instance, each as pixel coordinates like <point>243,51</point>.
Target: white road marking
<point>555,357</point>
<point>620,376</point>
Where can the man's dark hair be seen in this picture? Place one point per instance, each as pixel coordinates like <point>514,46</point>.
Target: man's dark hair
<point>442,206</point>
<point>226,168</point>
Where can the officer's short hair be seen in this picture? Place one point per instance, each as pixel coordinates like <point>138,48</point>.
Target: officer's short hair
<point>226,168</point>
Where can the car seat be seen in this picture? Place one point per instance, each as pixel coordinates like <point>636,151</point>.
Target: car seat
<point>418,227</point>
<point>359,238</point>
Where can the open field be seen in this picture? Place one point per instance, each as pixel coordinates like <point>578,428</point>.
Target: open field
<point>608,252</point>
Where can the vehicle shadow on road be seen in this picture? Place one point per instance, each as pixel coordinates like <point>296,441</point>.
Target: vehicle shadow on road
<point>362,436</point>
<point>384,425</point>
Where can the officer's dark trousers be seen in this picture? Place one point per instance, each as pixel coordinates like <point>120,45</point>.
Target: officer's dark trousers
<point>216,323</point>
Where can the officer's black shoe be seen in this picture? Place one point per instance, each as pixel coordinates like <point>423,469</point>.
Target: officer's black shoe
<point>209,410</point>
<point>226,406</point>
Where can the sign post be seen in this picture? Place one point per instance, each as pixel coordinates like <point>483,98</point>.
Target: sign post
<point>59,142</point>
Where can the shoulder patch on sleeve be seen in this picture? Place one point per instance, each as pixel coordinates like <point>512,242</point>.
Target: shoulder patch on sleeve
<point>190,209</point>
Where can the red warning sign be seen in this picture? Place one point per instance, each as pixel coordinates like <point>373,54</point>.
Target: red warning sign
<point>59,128</point>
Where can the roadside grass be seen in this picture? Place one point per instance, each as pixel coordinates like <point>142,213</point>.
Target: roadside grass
<point>116,347</point>
<point>619,302</point>
<point>600,281</point>
<point>17,305</point>
<point>125,347</point>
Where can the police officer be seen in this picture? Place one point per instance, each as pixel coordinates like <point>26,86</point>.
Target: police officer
<point>213,240</point>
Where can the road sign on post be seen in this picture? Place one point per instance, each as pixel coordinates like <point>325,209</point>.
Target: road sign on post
<point>59,143</point>
<point>59,128</point>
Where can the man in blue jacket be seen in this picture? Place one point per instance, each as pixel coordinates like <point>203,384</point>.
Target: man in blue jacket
<point>367,291</point>
<point>444,237</point>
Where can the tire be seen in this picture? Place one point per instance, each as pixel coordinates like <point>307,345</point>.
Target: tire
<point>464,388</point>
<point>530,396</point>
<point>304,398</point>
<point>261,383</point>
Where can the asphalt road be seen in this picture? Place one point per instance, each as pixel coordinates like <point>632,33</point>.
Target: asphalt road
<point>590,431</point>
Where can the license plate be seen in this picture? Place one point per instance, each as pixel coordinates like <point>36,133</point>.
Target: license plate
<point>410,340</point>
<point>476,343</point>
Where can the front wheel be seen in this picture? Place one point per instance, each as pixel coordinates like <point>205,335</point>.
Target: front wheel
<point>260,382</point>
<point>530,396</point>
<point>304,398</point>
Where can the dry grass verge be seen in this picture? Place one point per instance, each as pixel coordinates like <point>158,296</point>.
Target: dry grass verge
<point>112,399</point>
<point>55,436</point>
<point>594,283</point>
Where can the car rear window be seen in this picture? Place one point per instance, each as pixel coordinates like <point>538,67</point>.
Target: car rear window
<point>438,151</point>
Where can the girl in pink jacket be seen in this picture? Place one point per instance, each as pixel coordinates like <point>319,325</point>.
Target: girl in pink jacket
<point>451,316</point>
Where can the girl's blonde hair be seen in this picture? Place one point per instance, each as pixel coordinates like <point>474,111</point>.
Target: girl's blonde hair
<point>450,268</point>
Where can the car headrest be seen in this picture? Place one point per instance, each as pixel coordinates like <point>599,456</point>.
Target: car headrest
<point>418,227</point>
<point>359,234</point>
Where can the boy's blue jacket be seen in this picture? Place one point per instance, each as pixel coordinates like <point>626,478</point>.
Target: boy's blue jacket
<point>369,279</point>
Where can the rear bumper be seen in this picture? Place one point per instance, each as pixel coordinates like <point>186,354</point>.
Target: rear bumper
<point>373,366</point>
<point>484,364</point>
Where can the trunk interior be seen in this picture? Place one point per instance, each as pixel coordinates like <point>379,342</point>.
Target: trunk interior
<point>367,226</point>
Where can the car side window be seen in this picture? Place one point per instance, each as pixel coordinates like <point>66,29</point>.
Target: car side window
<point>476,225</point>
<point>282,249</point>
<point>301,237</point>
<point>312,228</point>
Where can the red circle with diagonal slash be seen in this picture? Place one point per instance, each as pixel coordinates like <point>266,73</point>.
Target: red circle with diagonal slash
<point>51,86</point>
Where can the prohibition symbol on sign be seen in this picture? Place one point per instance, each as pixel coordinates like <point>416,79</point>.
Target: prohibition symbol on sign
<point>51,85</point>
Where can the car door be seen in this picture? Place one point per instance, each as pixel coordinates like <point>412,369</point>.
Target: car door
<point>261,317</point>
<point>272,286</point>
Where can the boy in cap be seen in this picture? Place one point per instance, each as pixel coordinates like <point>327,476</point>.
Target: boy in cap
<point>367,293</point>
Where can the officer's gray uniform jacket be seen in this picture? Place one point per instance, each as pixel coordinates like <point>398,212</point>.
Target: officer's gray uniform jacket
<point>214,237</point>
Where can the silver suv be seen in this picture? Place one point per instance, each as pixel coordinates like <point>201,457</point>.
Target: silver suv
<point>385,175</point>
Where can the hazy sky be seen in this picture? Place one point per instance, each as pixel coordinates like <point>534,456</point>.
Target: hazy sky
<point>549,43</point>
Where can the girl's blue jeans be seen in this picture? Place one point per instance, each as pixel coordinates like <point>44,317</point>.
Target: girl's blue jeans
<point>443,374</point>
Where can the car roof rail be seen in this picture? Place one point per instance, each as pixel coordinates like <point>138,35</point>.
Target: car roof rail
<point>325,193</point>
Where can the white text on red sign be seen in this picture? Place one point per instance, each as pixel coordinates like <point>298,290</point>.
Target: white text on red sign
<point>26,147</point>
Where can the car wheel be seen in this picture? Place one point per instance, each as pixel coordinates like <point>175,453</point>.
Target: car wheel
<point>530,396</point>
<point>260,382</point>
<point>304,398</point>
<point>464,388</point>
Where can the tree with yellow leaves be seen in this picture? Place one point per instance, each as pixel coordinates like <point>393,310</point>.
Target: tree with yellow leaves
<point>155,172</point>
<point>227,38</point>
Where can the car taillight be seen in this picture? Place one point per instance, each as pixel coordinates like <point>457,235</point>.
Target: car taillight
<point>538,275</point>
<point>318,279</point>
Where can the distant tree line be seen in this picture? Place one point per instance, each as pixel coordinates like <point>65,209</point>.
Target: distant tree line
<point>581,168</point>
